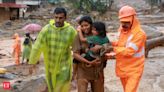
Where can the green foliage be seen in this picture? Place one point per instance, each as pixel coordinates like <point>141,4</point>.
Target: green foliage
<point>100,7</point>
<point>89,5</point>
<point>75,3</point>
<point>154,2</point>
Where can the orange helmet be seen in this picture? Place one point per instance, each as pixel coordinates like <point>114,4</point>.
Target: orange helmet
<point>16,35</point>
<point>126,11</point>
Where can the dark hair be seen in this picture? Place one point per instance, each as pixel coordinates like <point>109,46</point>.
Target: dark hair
<point>27,34</point>
<point>26,41</point>
<point>100,28</point>
<point>86,19</point>
<point>60,10</point>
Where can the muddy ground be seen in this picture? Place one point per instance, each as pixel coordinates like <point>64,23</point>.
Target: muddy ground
<point>25,81</point>
<point>152,80</point>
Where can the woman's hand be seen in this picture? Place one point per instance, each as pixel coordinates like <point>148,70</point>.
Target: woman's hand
<point>114,43</point>
<point>95,62</point>
<point>110,55</point>
<point>79,29</point>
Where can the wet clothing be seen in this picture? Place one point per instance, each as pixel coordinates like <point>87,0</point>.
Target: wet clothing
<point>91,74</point>
<point>130,55</point>
<point>55,43</point>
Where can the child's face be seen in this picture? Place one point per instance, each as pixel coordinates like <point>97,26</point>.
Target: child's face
<point>85,27</point>
<point>94,32</point>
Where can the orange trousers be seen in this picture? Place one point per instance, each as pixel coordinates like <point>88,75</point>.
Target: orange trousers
<point>130,83</point>
<point>17,57</point>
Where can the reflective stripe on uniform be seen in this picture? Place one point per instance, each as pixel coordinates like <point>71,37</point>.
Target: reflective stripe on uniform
<point>132,45</point>
<point>141,53</point>
<point>129,38</point>
<point>118,34</point>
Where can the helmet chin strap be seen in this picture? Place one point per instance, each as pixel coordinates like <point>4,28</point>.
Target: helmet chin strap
<point>132,22</point>
<point>125,31</point>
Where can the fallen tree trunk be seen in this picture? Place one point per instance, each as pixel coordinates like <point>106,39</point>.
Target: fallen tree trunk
<point>152,43</point>
<point>152,22</point>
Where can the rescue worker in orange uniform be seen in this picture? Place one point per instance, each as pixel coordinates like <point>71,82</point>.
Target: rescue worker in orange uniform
<point>17,48</point>
<point>129,50</point>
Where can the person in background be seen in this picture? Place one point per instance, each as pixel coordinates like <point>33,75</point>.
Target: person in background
<point>17,48</point>
<point>129,50</point>
<point>27,35</point>
<point>55,40</point>
<point>26,50</point>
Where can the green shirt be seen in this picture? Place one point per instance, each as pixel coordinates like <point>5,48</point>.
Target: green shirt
<point>95,40</point>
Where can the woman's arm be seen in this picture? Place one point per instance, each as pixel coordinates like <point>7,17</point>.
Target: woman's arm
<point>78,57</point>
<point>81,36</point>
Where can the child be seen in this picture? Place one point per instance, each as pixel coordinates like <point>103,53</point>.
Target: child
<point>99,38</point>
<point>26,50</point>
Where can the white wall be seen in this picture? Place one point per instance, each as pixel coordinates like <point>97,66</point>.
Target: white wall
<point>28,2</point>
<point>0,1</point>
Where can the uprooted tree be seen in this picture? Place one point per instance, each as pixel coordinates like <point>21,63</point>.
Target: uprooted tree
<point>153,3</point>
<point>162,7</point>
<point>152,43</point>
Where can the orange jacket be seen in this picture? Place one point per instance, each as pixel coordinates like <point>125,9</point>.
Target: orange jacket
<point>17,45</point>
<point>130,50</point>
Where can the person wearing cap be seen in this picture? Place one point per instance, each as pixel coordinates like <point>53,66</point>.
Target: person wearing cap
<point>129,50</point>
<point>17,48</point>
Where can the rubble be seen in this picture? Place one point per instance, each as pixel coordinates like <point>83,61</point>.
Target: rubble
<point>37,83</point>
<point>7,76</point>
<point>7,23</point>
